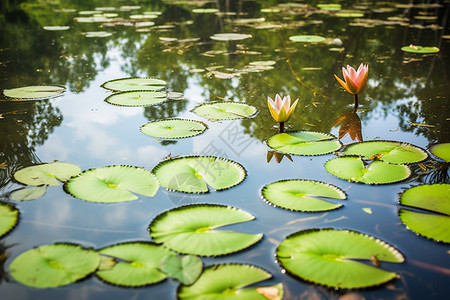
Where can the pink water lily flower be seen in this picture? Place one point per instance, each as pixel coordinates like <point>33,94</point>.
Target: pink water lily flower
<point>355,81</point>
<point>281,109</point>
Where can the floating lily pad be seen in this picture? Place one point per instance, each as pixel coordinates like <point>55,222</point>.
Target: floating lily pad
<point>205,10</point>
<point>377,172</point>
<point>442,151</point>
<point>349,14</point>
<point>420,49</point>
<point>388,151</point>
<point>56,28</point>
<point>193,174</point>
<point>186,269</point>
<point>173,128</point>
<point>29,193</point>
<point>47,174</point>
<point>137,98</point>
<point>329,6</point>
<point>329,257</point>
<point>302,195</point>
<point>34,92</point>
<point>137,264</point>
<point>307,38</point>
<point>113,184</point>
<point>192,230</point>
<point>230,36</point>
<point>135,84</point>
<point>98,34</point>
<point>432,198</point>
<point>9,216</point>
<point>229,281</point>
<point>54,265</point>
<point>225,110</point>
<point>304,143</point>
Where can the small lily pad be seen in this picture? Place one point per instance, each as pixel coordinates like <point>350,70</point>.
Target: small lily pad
<point>98,34</point>
<point>307,38</point>
<point>137,98</point>
<point>225,110</point>
<point>34,92</point>
<point>349,14</point>
<point>192,230</point>
<point>304,143</point>
<point>186,269</point>
<point>54,265</point>
<point>329,6</point>
<point>302,195</point>
<point>230,36</point>
<point>173,128</point>
<point>442,151</point>
<point>29,193</point>
<point>9,216</point>
<point>137,264</point>
<point>193,174</point>
<point>331,257</point>
<point>56,28</point>
<point>113,184</point>
<point>420,49</point>
<point>134,84</point>
<point>47,174</point>
<point>205,10</point>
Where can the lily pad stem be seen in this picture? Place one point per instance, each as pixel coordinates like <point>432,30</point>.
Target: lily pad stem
<point>355,106</point>
<point>281,127</point>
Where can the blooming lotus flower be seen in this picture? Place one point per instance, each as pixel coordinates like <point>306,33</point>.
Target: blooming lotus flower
<point>281,109</point>
<point>355,81</point>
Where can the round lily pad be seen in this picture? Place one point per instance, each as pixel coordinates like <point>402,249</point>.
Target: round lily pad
<point>34,92</point>
<point>192,230</point>
<point>113,184</point>
<point>332,257</point>
<point>173,128</point>
<point>304,143</point>
<point>47,174</point>
<point>377,172</point>
<point>137,98</point>
<point>56,28</point>
<point>442,151</point>
<point>137,264</point>
<point>420,49</point>
<point>193,174</point>
<point>229,281</point>
<point>388,151</point>
<point>434,222</point>
<point>225,110</point>
<point>135,84</point>
<point>230,36</point>
<point>54,265</point>
<point>302,195</point>
<point>307,38</point>
<point>9,216</point>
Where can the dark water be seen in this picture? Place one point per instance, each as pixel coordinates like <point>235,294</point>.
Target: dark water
<point>406,99</point>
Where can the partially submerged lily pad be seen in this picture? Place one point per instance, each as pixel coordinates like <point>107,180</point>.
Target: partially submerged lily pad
<point>34,92</point>
<point>330,257</point>
<point>434,222</point>
<point>192,230</point>
<point>186,269</point>
<point>304,143</point>
<point>225,110</point>
<point>54,265</point>
<point>29,193</point>
<point>113,184</point>
<point>193,174</point>
<point>173,128</point>
<point>229,281</point>
<point>420,49</point>
<point>137,264</point>
<point>135,84</point>
<point>137,98</point>
<point>9,216</point>
<point>47,174</point>
<point>302,195</point>
<point>442,151</point>
<point>307,38</point>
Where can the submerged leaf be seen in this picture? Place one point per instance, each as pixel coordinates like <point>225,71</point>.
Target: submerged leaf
<point>9,216</point>
<point>47,174</point>
<point>30,193</point>
<point>303,143</point>
<point>173,128</point>
<point>185,269</point>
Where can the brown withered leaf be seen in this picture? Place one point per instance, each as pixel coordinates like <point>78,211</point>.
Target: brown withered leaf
<point>350,124</point>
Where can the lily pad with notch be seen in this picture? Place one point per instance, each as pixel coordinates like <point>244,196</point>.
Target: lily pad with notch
<point>334,258</point>
<point>34,92</point>
<point>112,184</point>
<point>303,195</point>
<point>225,110</point>
<point>47,174</point>
<point>173,128</point>
<point>9,217</point>
<point>137,98</point>
<point>192,229</point>
<point>135,84</point>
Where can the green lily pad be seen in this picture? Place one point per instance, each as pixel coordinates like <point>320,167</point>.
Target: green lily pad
<point>349,14</point>
<point>329,257</point>
<point>302,195</point>
<point>304,143</point>
<point>205,10</point>
<point>9,216</point>
<point>134,84</point>
<point>113,184</point>
<point>387,151</point>
<point>329,6</point>
<point>47,174</point>
<point>193,174</point>
<point>442,151</point>
<point>98,34</point>
<point>54,265</point>
<point>137,264</point>
<point>307,38</point>
<point>420,49</point>
<point>34,92</point>
<point>137,98</point>
<point>225,110</point>
<point>435,222</point>
<point>186,269</point>
<point>377,172</point>
<point>173,128</point>
<point>230,36</point>
<point>229,281</point>
<point>30,193</point>
<point>192,230</point>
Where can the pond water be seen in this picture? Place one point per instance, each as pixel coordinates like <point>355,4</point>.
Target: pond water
<point>406,99</point>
